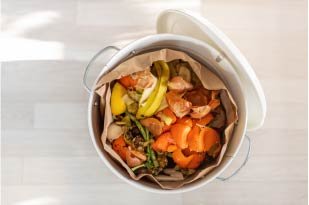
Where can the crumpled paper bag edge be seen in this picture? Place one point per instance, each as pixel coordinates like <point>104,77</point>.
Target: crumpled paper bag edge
<point>144,63</point>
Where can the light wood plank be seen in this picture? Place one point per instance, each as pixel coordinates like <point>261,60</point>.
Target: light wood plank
<point>249,193</point>
<point>12,169</point>
<point>47,143</point>
<point>17,115</point>
<point>58,82</point>
<point>114,194</point>
<point>270,168</point>
<point>124,13</point>
<point>70,170</point>
<point>292,142</point>
<point>72,115</point>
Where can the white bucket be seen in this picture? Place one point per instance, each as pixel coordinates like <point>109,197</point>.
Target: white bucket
<point>203,53</point>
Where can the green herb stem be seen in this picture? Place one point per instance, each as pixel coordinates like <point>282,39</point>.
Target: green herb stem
<point>151,156</point>
<point>137,167</point>
<point>139,126</point>
<point>154,159</point>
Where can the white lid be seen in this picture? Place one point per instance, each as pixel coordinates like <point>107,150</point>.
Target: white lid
<point>193,25</point>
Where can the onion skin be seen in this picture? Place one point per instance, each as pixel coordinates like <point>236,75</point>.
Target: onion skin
<point>132,161</point>
<point>177,104</point>
<point>114,131</point>
<point>199,112</point>
<point>179,85</point>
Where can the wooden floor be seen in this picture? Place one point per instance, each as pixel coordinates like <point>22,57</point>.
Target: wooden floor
<point>47,154</point>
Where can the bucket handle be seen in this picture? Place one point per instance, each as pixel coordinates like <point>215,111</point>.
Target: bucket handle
<point>87,88</point>
<point>242,164</point>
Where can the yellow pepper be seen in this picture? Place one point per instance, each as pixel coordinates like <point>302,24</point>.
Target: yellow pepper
<point>157,95</point>
<point>118,105</point>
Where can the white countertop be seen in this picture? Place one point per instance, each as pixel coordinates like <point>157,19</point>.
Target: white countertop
<point>47,155</point>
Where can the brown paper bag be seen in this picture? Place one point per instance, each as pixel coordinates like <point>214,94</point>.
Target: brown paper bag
<point>209,80</point>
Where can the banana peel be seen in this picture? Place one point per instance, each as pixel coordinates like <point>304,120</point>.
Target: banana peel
<point>154,101</point>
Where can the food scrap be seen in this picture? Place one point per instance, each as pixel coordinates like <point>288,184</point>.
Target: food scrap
<point>165,122</point>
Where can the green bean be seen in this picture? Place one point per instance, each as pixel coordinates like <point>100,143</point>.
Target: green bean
<point>151,156</point>
<point>154,159</point>
<point>139,126</point>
